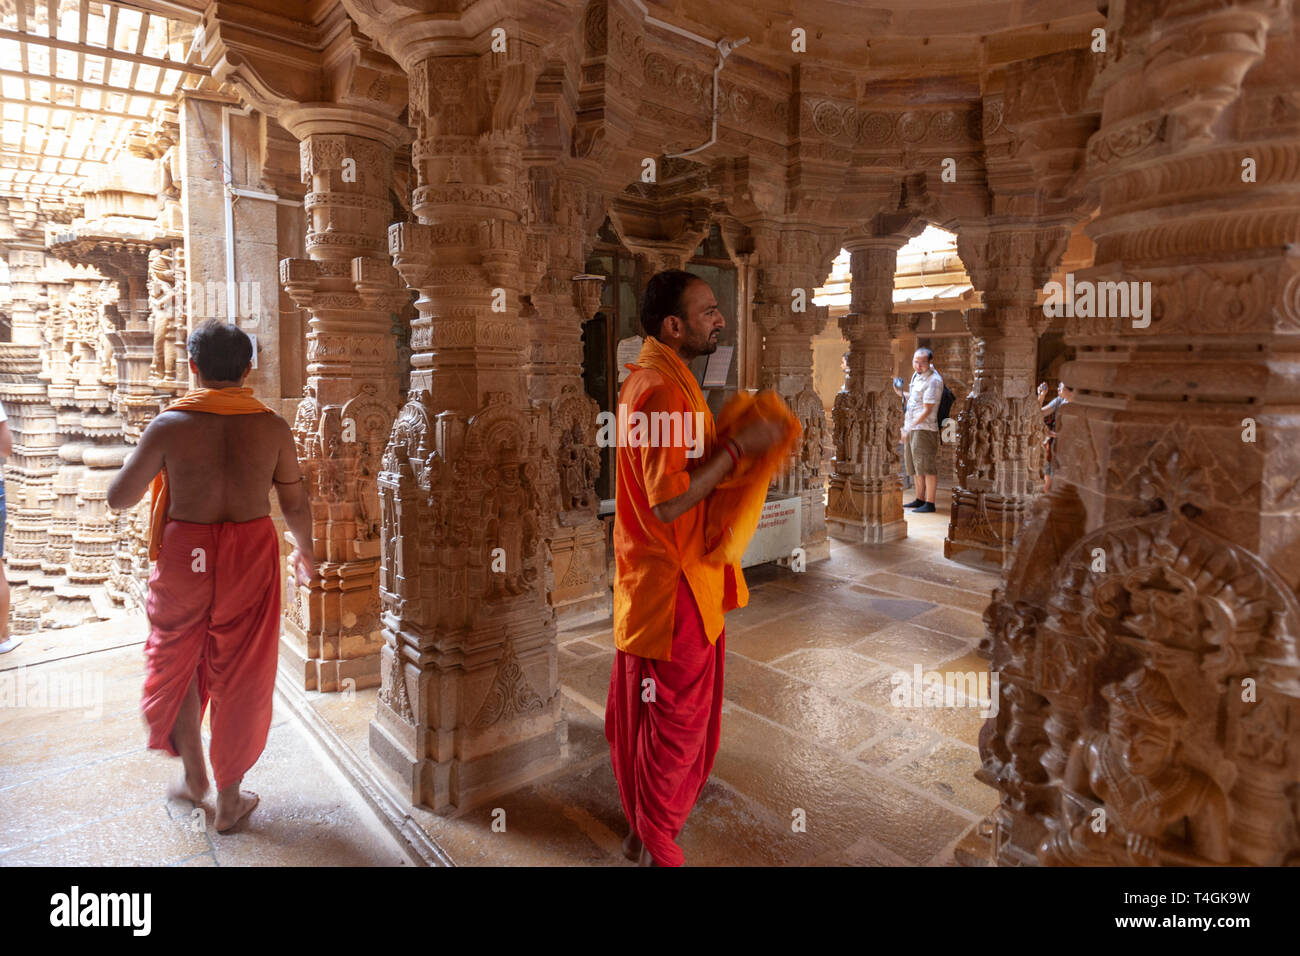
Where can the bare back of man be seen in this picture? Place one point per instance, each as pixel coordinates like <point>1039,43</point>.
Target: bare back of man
<point>221,467</point>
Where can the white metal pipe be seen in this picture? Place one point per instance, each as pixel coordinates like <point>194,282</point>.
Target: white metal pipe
<point>645,12</point>
<point>724,48</point>
<point>232,297</point>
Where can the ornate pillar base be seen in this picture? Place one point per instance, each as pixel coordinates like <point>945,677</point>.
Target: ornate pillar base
<point>515,737</point>
<point>983,526</point>
<point>331,632</point>
<point>581,593</point>
<point>27,603</point>
<point>865,510</point>
<point>85,595</point>
<point>72,606</point>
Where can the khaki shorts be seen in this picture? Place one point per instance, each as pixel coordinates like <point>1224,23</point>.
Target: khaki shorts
<point>920,451</point>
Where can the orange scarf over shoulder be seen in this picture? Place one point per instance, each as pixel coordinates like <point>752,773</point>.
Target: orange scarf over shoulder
<point>217,401</point>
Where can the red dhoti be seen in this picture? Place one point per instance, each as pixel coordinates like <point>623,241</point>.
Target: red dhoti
<point>662,749</point>
<point>214,612</point>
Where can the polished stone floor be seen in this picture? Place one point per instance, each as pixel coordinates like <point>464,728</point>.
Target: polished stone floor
<point>79,788</point>
<point>807,725</point>
<point>809,732</point>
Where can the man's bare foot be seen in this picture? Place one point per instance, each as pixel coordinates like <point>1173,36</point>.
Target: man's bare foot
<point>231,813</point>
<point>632,847</point>
<point>645,858</point>
<point>187,790</point>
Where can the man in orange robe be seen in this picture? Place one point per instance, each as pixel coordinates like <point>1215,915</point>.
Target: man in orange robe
<point>676,563</point>
<point>209,460</point>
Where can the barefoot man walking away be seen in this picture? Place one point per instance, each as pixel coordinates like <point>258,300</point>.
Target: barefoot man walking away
<point>662,717</point>
<point>210,460</point>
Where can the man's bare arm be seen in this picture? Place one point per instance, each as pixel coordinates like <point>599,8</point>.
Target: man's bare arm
<point>6,440</point>
<point>703,480</point>
<point>291,491</point>
<point>754,438</point>
<point>132,481</point>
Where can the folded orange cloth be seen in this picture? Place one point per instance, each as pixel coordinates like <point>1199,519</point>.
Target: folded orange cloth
<point>737,503</point>
<point>217,401</point>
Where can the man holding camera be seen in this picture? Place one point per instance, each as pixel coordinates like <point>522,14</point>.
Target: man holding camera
<point>921,431</point>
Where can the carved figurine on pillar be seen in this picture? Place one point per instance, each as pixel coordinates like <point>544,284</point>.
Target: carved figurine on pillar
<point>166,312</point>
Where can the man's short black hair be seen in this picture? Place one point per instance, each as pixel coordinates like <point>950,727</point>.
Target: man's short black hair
<point>221,351</point>
<point>663,297</point>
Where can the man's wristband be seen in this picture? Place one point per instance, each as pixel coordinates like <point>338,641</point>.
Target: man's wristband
<point>731,448</point>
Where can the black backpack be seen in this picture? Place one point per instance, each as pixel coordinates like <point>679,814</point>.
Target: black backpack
<point>945,404</point>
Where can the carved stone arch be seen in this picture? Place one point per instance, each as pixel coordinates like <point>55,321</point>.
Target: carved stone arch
<point>1210,581</point>
<point>410,440</point>
<point>495,426</point>
<point>371,416</point>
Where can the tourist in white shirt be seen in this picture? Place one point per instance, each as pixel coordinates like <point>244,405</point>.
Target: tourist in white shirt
<point>921,430</point>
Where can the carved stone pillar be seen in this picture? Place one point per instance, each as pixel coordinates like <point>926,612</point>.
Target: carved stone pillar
<point>1000,431</point>
<point>108,547</point>
<point>83,406</point>
<point>566,206</point>
<point>865,501</point>
<point>794,261</point>
<point>1146,636</point>
<point>351,292</point>
<point>470,702</point>
<point>29,473</point>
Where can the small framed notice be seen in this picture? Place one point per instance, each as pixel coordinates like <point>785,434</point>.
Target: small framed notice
<point>715,373</point>
<point>626,354</point>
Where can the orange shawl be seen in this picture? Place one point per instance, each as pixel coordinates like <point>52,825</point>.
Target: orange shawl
<point>217,401</point>
<point>737,502</point>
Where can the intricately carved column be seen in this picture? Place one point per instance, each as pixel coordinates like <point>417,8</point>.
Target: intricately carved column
<point>57,330</point>
<point>83,406</point>
<point>166,285</point>
<point>29,473</point>
<point>566,206</point>
<point>865,500</point>
<point>1000,431</point>
<point>795,260</point>
<point>350,400</point>
<point>470,702</point>
<point>117,238</point>
<point>1147,633</point>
